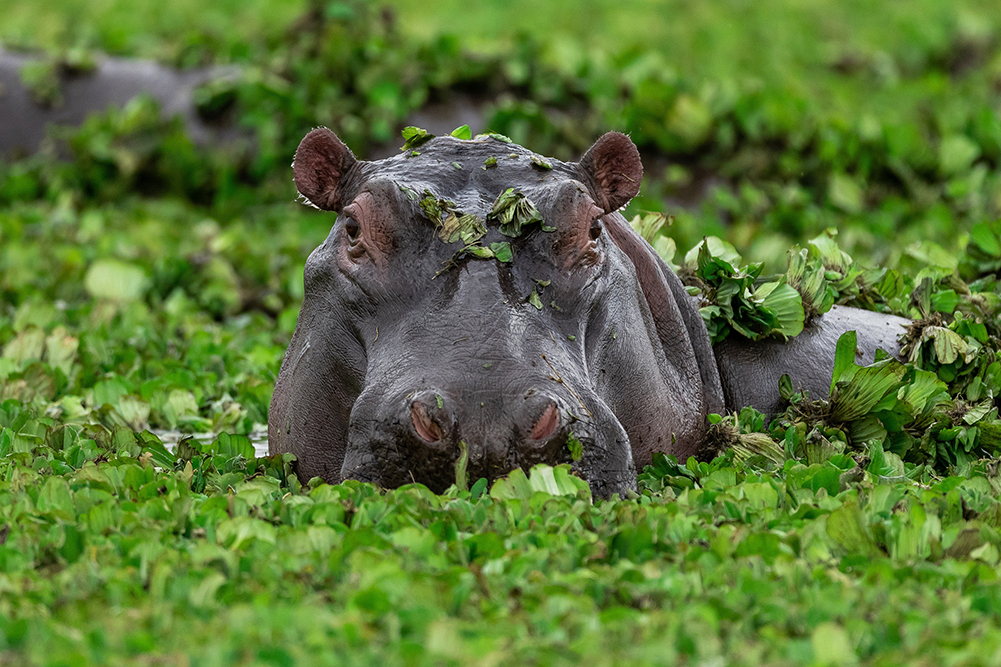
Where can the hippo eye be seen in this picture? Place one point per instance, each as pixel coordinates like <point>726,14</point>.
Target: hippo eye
<point>352,228</point>
<point>595,230</point>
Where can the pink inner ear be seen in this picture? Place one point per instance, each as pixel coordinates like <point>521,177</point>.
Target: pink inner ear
<point>614,165</point>
<point>319,166</point>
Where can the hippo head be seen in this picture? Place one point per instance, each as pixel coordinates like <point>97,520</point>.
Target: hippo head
<point>476,300</point>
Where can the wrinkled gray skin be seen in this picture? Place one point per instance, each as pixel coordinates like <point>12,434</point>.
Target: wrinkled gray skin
<point>113,83</point>
<point>391,369</point>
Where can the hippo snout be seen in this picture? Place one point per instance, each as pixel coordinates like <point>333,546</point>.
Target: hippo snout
<point>420,436</point>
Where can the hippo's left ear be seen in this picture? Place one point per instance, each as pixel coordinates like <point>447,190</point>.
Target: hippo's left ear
<point>613,166</point>
<point>321,161</point>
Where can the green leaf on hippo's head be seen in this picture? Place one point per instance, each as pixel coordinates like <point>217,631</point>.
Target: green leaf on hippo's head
<point>541,162</point>
<point>534,299</point>
<point>502,251</point>
<point>490,162</point>
<point>414,137</point>
<point>495,136</point>
<point>513,211</point>
<point>461,132</point>
<point>479,251</point>
<point>467,227</point>
<point>457,165</point>
<point>432,207</point>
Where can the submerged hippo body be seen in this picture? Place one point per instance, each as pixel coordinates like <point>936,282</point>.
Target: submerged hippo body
<point>408,353</point>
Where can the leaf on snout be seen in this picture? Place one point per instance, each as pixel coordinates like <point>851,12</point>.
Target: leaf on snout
<point>534,299</point>
<point>575,446</point>
<point>414,137</point>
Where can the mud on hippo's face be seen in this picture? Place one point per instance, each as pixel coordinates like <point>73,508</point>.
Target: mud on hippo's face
<point>478,298</point>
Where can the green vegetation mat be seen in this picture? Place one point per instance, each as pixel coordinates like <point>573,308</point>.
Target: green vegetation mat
<point>148,285</point>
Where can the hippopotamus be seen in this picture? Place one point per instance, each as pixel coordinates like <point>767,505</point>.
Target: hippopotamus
<point>475,302</point>
<point>112,82</point>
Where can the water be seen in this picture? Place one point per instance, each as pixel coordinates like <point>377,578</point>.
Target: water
<point>259,438</point>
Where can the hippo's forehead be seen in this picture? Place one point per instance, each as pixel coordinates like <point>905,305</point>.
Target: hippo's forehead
<point>472,174</point>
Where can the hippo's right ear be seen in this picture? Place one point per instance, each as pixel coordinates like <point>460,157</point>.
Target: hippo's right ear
<point>321,161</point>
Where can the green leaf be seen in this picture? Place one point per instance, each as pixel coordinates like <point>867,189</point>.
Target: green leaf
<point>534,299</point>
<point>786,304</point>
<point>541,162</point>
<point>461,464</point>
<point>844,357</point>
<point>948,344</point>
<point>558,481</point>
<point>502,251</point>
<point>414,137</point>
<point>495,136</point>
<point>513,211</point>
<point>855,394</point>
<point>489,163</point>
<point>461,132</point>
<point>956,153</point>
<point>845,193</point>
<point>112,280</point>
<point>717,248</point>
<point>479,251</point>
<point>983,236</point>
<point>575,447</point>
<point>848,530</point>
<point>459,226</point>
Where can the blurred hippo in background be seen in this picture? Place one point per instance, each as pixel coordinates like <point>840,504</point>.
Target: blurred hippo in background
<point>105,83</point>
<point>476,300</point>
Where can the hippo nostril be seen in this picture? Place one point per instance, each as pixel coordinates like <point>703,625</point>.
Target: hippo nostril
<point>547,423</point>
<point>423,424</point>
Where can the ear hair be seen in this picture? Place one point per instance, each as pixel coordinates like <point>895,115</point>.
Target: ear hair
<point>321,161</point>
<point>613,166</point>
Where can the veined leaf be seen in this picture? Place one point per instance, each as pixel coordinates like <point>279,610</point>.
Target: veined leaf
<point>860,388</point>
<point>785,303</point>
